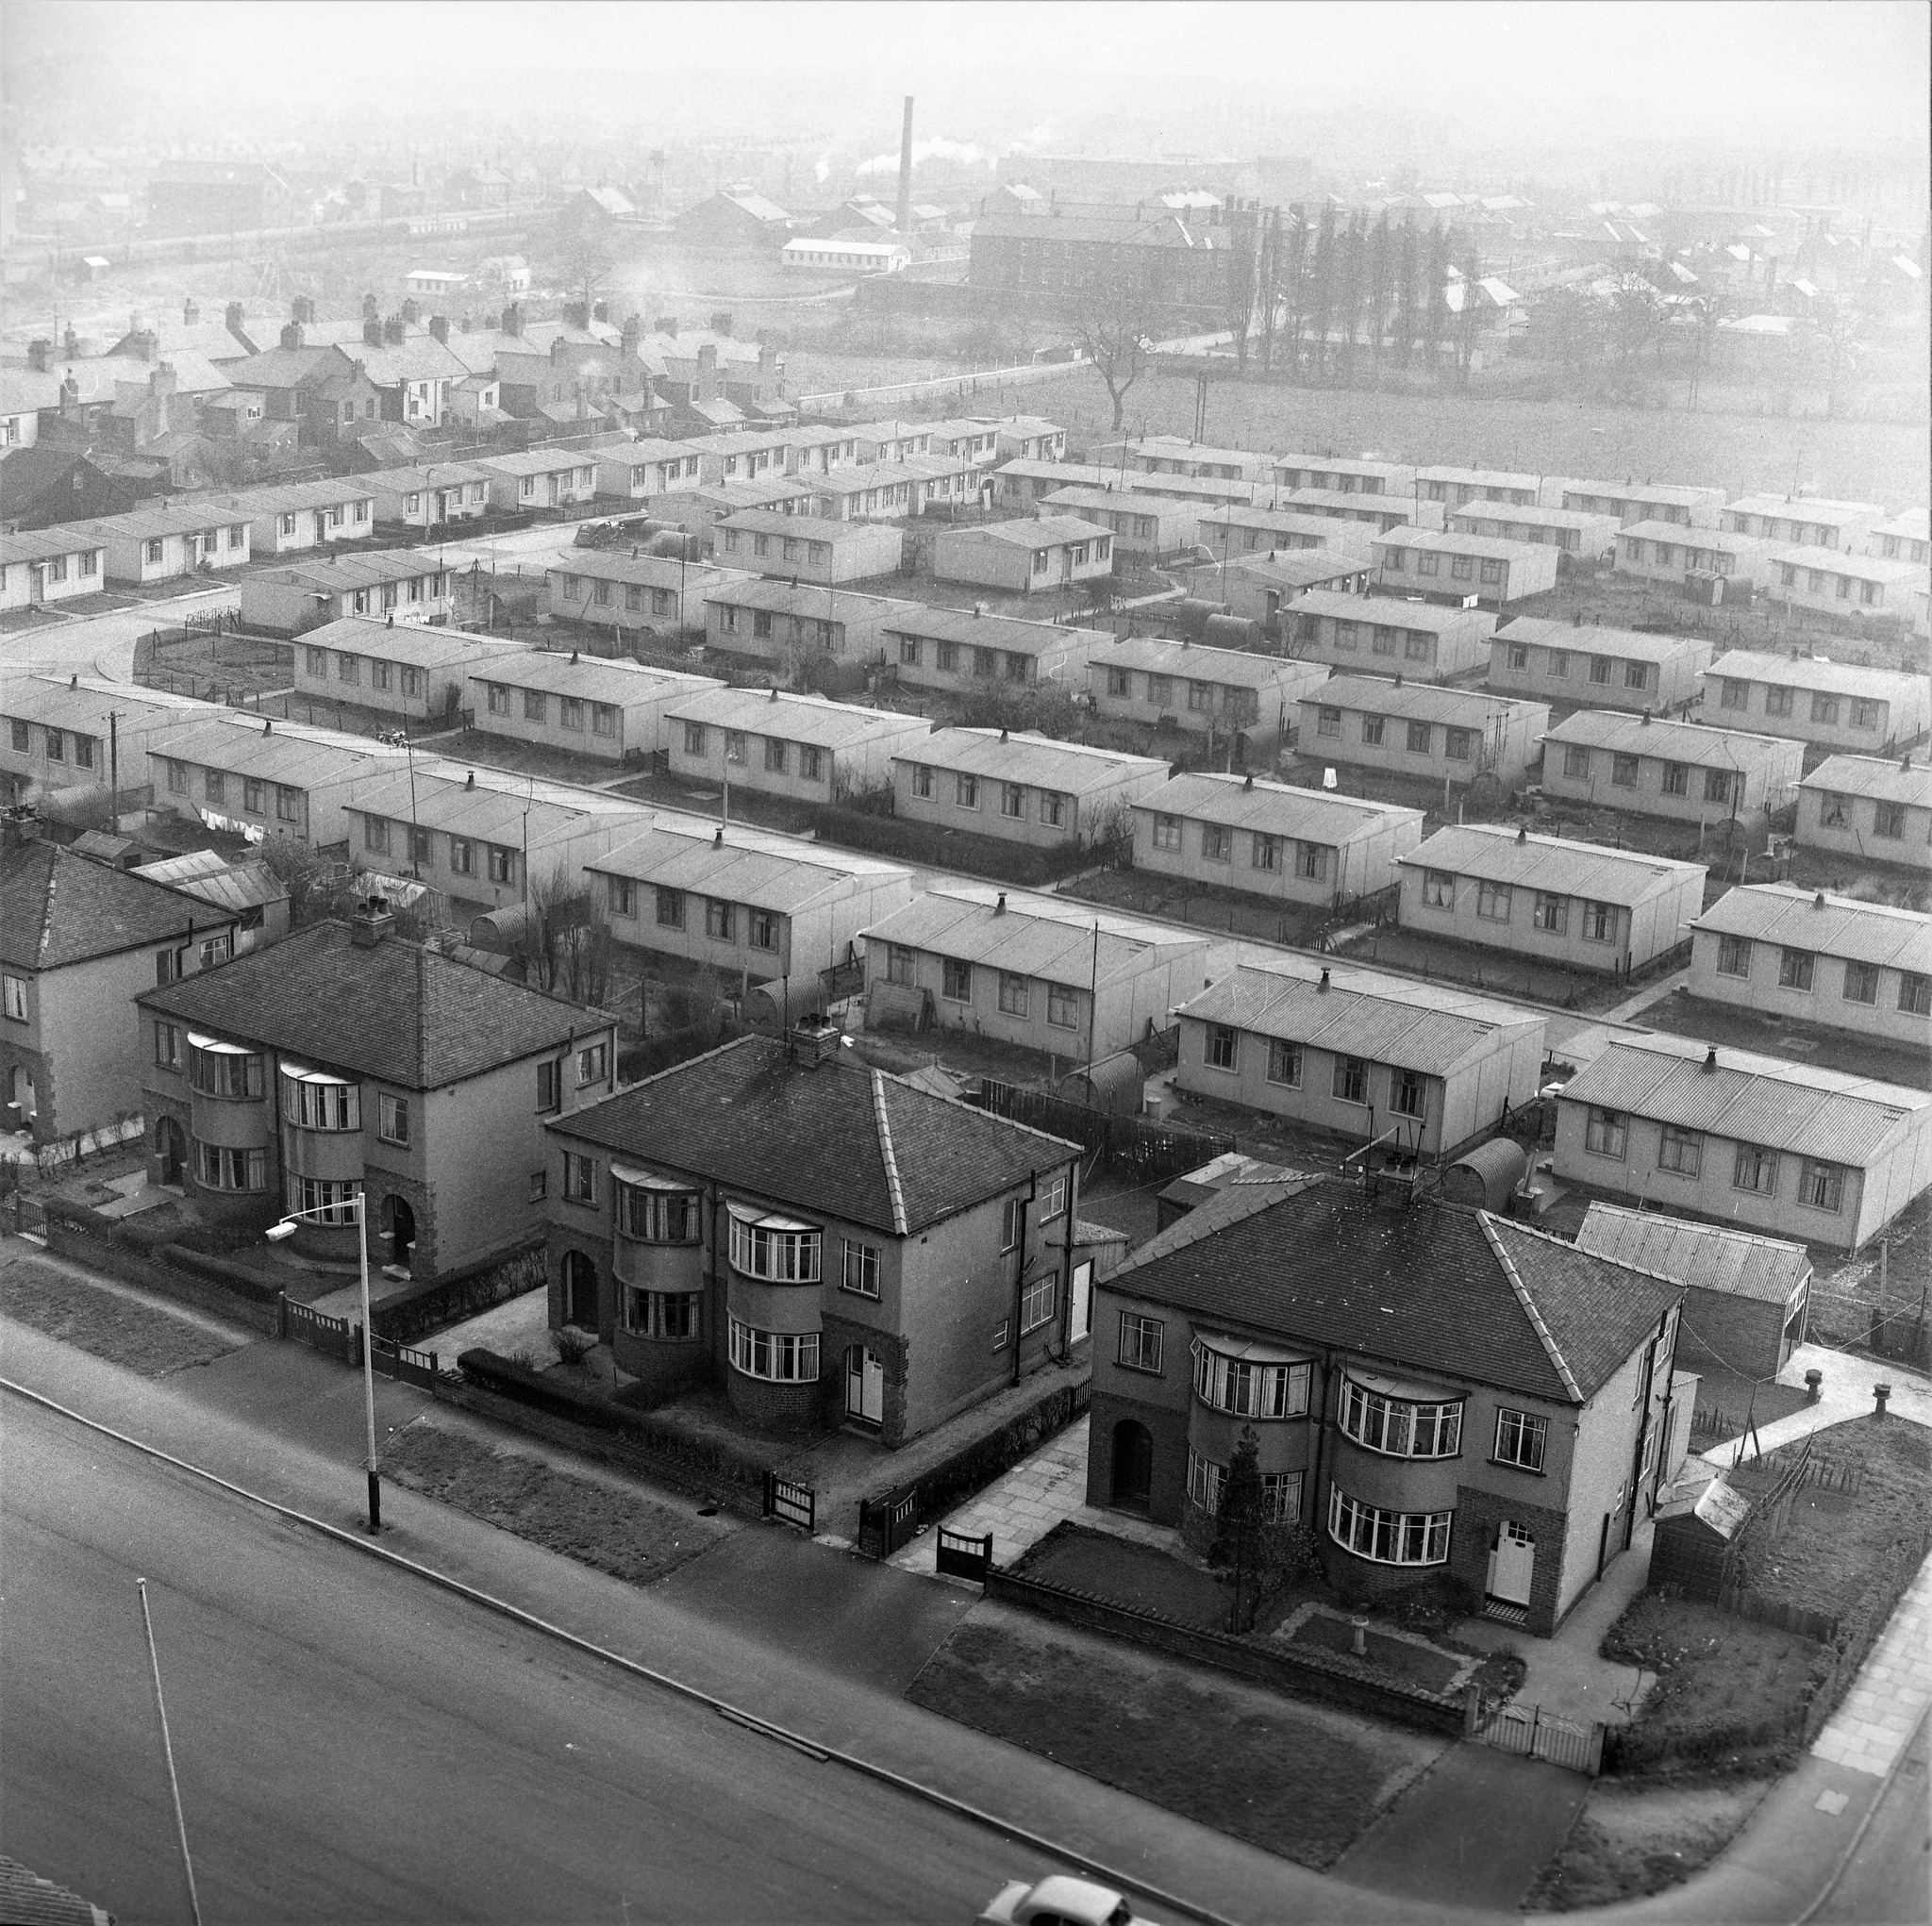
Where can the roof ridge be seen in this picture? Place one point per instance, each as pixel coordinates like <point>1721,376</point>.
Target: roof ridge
<point>1528,1303</point>
<point>960,1104</point>
<point>891,1162</point>
<point>1576,1249</point>
<point>1215,1214</point>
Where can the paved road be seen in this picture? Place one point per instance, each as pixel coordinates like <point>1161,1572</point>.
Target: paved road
<point>104,644</point>
<point>1887,1876</point>
<point>354,1744</point>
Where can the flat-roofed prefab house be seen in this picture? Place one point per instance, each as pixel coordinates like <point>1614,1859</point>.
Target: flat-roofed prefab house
<point>1232,532</point>
<point>1033,558</point>
<point>1802,522</point>
<point>830,1244</point>
<point>1683,770</point>
<point>406,668</point>
<point>780,742</point>
<point>753,904</point>
<point>1149,525</point>
<point>657,598</point>
<point>1361,1053</point>
<point>1790,1149</point>
<point>1671,551</point>
<point>788,624</point>
<point>63,732</point>
<point>1830,705</point>
<point>1548,899</point>
<point>307,515</point>
<point>806,548</point>
<point>1456,488</point>
<point>1421,729</point>
<point>1901,537</point>
<point>958,650</point>
<point>1379,635</point>
<point>541,478</point>
<point>51,565</point>
<point>1582,537</point>
<point>1272,840</point>
<point>1175,455</point>
<point>1828,581</point>
<point>1023,789</point>
<point>430,496</point>
<point>1228,695</point>
<point>1043,972</point>
<point>1631,502</point>
<point>606,706</point>
<point>167,544</point>
<point>400,585</point>
<point>1604,668</point>
<point>1746,1298</point>
<point>640,471</point>
<point>1433,1391</point>
<point>1453,568</point>
<point>267,778</point>
<point>1337,474</point>
<point>1801,954</point>
<point>1870,810</point>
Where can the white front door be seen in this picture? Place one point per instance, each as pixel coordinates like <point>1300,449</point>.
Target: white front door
<point>1511,1564</point>
<point>1082,1309</point>
<point>865,1385</point>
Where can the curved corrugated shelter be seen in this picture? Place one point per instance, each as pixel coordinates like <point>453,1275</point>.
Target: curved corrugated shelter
<point>1485,1176</point>
<point>1116,1085</point>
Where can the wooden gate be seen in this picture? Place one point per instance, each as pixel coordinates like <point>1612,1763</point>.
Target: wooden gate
<point>312,1327</point>
<point>395,1360</point>
<point>962,1555</point>
<point>797,1504</point>
<point>1533,1733</point>
<point>886,1523</point>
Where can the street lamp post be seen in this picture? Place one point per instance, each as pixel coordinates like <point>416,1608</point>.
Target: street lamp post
<point>286,1228</point>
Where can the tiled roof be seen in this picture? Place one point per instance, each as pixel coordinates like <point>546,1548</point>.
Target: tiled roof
<point>1831,925</point>
<point>1693,742</point>
<point>57,908</point>
<point>1554,863</point>
<point>1705,1256</point>
<point>1274,809</point>
<point>836,1138</point>
<point>1873,775</point>
<point>1816,671</point>
<point>1453,1295</point>
<point>1000,755</point>
<point>397,1011</point>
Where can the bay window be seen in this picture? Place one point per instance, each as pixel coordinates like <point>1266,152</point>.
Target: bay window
<point>778,1250</point>
<point>1388,1538</point>
<point>1400,1427</point>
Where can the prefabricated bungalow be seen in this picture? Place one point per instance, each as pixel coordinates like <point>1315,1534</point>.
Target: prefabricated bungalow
<point>605,706</point>
<point>1232,696</point>
<point>779,742</point>
<point>1454,568</point>
<point>1674,552</point>
<point>895,490</point>
<point>64,732</point>
<point>807,548</point>
<point>1901,537</point>
<point>1264,588</point>
<point>1380,514</point>
<point>1803,955</point>
<point>1272,840</point>
<point>1421,729</point>
<point>307,515</point>
<point>1683,770</point>
<point>1793,1150</point>
<point>1236,531</point>
<point>1024,788</point>
<point>698,507</point>
<point>1829,705</point>
<point>1869,809</point>
<point>1606,667</point>
<point>1422,641</point>
<point>265,777</point>
<point>745,454</point>
<point>403,584</point>
<point>1149,525</point>
<point>1175,455</point>
<point>639,471</point>
<point>430,496</point>
<point>1361,1053</point>
<point>1802,522</point>
<point>542,479</point>
<point>755,905</point>
<point>780,623</point>
<point>50,565</point>
<point>1029,437</point>
<point>657,598</point>
<point>1342,475</point>
<point>1630,502</point>
<point>955,651</point>
<point>168,544</point>
<point>1582,538</point>
<point>1043,972</point>
<point>1828,581</point>
<point>405,668</point>
<point>1456,488</point>
<point>1547,898</point>
<point>1038,557</point>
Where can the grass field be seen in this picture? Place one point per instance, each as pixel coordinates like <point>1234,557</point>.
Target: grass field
<point>105,1323</point>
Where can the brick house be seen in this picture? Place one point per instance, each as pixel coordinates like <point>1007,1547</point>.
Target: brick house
<point>1436,1391</point>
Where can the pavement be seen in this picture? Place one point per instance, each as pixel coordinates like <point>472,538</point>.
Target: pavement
<point>1846,1392</point>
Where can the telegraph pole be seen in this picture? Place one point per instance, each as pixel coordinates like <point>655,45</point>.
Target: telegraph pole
<point>114,768</point>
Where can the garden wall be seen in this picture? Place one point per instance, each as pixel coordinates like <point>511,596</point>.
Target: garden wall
<point>89,1238</point>
<point>413,1314</point>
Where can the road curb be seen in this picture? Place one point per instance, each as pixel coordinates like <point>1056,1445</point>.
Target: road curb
<point>1864,1826</point>
<point>930,1795</point>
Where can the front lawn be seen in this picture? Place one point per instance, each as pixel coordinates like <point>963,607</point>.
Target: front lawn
<point>1406,1659</point>
<point>153,1338</point>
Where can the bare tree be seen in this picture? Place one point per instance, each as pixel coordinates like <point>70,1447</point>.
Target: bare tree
<point>1321,293</point>
<point>1294,275</point>
<point>1113,317</point>
<point>317,888</point>
<point>1634,320</point>
<point>1407,296</point>
<point>1381,265</point>
<point>584,262</point>
<point>1836,328</point>
<point>1243,279</point>
<point>565,942</point>
<point>1267,284</point>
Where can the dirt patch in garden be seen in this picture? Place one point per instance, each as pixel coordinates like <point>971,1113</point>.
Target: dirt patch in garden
<point>1629,1841</point>
<point>1300,1781</point>
<point>1406,1659</point>
<point>142,1338</point>
<point>1125,1573</point>
<point>629,1533</point>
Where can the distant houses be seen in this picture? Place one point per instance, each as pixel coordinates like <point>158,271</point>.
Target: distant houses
<point>1604,668</point>
<point>1421,730</point>
<point>1232,696</point>
<point>1605,758</point>
<point>1830,705</point>
<point>1868,810</point>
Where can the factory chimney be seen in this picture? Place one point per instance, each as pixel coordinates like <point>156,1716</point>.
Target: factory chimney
<point>904,223</point>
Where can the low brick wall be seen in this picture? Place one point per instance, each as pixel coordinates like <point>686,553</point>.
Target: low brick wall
<point>69,1234</point>
<point>413,1314</point>
<point>1296,1675</point>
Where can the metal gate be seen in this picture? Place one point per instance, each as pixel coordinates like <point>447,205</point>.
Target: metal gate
<point>962,1555</point>
<point>1533,1733</point>
<point>886,1523</point>
<point>30,1217</point>
<point>797,1504</point>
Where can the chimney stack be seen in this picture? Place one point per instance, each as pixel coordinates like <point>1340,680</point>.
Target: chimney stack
<point>393,331</point>
<point>412,312</point>
<point>512,321</point>
<point>374,919</point>
<point>302,309</point>
<point>191,312</point>
<point>372,307</point>
<point>372,331</point>
<point>40,356</point>
<point>292,334</point>
<point>905,213</point>
<point>576,314</point>
<point>145,345</point>
<point>814,1040</point>
<point>439,328</point>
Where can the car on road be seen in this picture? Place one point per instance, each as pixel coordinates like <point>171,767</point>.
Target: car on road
<point>1059,1900</point>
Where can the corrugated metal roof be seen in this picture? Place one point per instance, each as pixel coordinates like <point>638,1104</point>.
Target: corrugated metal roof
<point>411,481</point>
<point>495,807</point>
<point>1528,514</point>
<point>1872,775</point>
<point>1811,671</point>
<point>817,600</point>
<point>65,703</point>
<point>342,573</point>
<point>1000,755</point>
<point>205,874</point>
<point>1423,701</point>
<point>1390,611</point>
<point>808,527</point>
<point>289,753</point>
<point>1267,520</point>
<point>1861,568</point>
<point>144,524</point>
<point>1804,508</point>
<point>1007,632</point>
<point>798,718</point>
<point>1760,1100</point>
<point>1720,540</point>
<point>41,544</point>
<point>595,678</point>
<point>1352,502</point>
<point>762,869</point>
<point>1688,742</point>
<point>331,492</point>
<point>1662,493</point>
<point>1830,925</point>
<point>1362,1013</point>
<point>1300,567</point>
<point>1198,663</point>
<point>1631,644</point>
<point>411,642</point>
<point>1450,541</point>
<point>1274,809</point>
<point>1041,531</point>
<point>1480,478</point>
<point>1121,500</point>
<point>1552,863</point>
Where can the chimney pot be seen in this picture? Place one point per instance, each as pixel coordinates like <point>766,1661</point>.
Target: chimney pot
<point>1523,832</point>
<point>1322,988</point>
<point>470,781</point>
<point>1710,1061</point>
<point>999,908</point>
<point>374,920</point>
<point>1817,900</point>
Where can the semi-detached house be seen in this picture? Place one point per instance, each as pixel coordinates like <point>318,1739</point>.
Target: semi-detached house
<point>1870,810</point>
<point>1433,1390</point>
<point>1024,788</point>
<point>1830,705</point>
<point>1421,729</point>
<point>1683,770</point>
